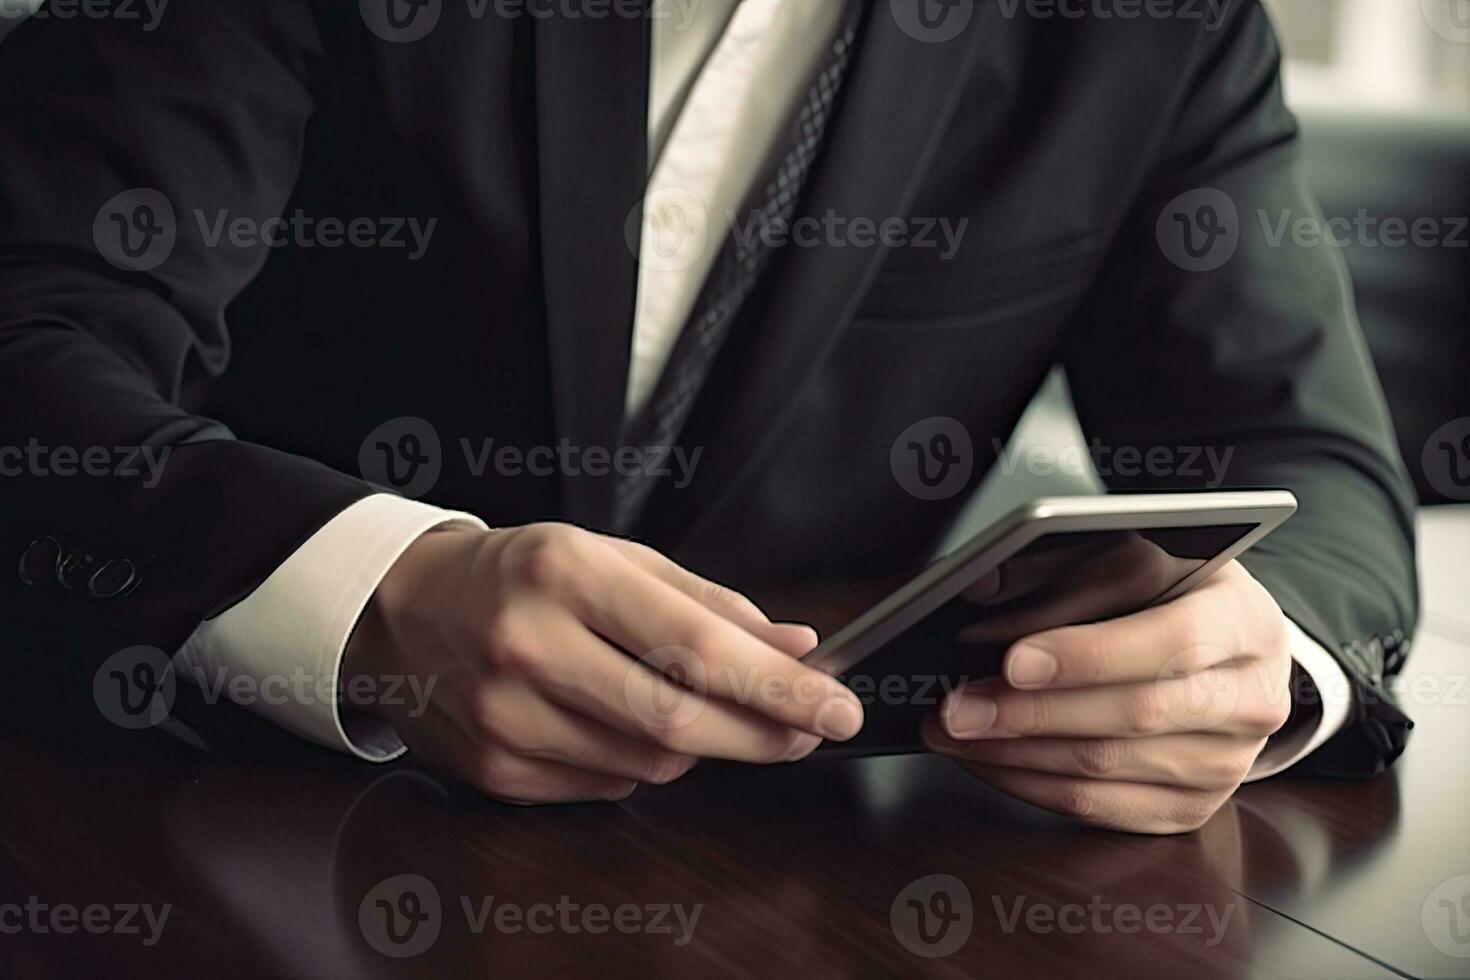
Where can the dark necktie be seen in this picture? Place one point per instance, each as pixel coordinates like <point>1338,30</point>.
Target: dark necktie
<point>732,279</point>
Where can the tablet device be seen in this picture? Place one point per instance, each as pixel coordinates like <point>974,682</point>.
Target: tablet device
<point>1057,561</point>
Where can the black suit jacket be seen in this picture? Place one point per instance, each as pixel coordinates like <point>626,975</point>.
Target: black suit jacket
<point>264,369</point>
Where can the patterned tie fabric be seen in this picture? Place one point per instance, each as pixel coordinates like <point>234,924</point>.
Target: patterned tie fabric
<point>731,281</point>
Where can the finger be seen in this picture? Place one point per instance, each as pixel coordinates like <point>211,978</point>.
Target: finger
<point>1225,700</point>
<point>1191,761</point>
<point>595,679</point>
<point>1032,569</point>
<point>1195,632</point>
<point>671,632</point>
<point>1137,807</point>
<point>512,779</point>
<point>521,720</point>
<point>1127,577</point>
<point>504,776</point>
<point>794,639</point>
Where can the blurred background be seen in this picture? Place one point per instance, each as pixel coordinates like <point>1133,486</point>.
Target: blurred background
<point>1382,89</point>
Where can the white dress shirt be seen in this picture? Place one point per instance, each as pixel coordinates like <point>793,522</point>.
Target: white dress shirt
<point>722,86</point>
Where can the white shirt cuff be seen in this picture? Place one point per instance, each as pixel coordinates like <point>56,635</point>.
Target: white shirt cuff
<point>278,652</point>
<point>1334,696</point>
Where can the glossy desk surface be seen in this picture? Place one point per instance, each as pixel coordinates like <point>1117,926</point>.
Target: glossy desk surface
<point>279,866</point>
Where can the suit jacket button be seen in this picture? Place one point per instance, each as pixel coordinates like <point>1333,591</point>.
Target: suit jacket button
<point>73,570</point>
<point>38,562</point>
<point>115,578</point>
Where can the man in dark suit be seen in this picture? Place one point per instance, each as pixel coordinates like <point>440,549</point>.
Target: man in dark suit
<point>593,271</point>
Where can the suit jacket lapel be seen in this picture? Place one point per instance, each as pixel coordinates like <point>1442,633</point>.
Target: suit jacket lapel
<point>591,105</point>
<point>900,96</point>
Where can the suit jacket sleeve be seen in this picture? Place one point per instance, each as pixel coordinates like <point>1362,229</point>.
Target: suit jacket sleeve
<point>109,129</point>
<point>1237,341</point>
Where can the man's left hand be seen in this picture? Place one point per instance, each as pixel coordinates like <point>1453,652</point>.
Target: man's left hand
<point>1145,723</point>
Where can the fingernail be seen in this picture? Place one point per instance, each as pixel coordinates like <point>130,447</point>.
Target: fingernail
<point>807,633</point>
<point>1030,667</point>
<point>839,718</point>
<point>969,715</point>
<point>805,746</point>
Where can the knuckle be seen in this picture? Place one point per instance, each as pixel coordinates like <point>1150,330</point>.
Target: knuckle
<point>1267,717</point>
<point>1194,646</point>
<point>1036,718</point>
<point>1231,769</point>
<point>496,774</point>
<point>544,556</point>
<point>700,640</point>
<point>1191,811</point>
<point>509,643</point>
<point>1144,711</point>
<point>1078,800</point>
<point>1192,658</point>
<point>513,738</point>
<point>671,738</point>
<point>1097,663</point>
<point>483,717</point>
<point>1099,756</point>
<point>722,595</point>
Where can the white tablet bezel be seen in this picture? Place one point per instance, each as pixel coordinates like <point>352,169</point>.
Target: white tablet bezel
<point>952,574</point>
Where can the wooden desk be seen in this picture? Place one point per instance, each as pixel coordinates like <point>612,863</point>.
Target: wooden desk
<point>274,866</point>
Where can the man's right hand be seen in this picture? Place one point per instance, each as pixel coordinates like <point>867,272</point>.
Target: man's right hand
<point>572,666</point>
